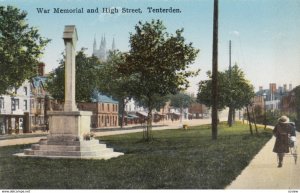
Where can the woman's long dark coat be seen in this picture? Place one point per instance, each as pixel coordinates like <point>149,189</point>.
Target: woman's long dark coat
<point>281,132</point>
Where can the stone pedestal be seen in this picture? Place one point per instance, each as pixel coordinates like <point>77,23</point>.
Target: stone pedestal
<point>68,139</point>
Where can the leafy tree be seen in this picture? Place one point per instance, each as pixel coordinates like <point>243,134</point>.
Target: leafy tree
<point>20,48</point>
<point>234,91</point>
<point>297,104</point>
<point>204,92</point>
<point>159,62</point>
<point>114,83</point>
<point>86,78</point>
<point>181,100</point>
<point>240,91</point>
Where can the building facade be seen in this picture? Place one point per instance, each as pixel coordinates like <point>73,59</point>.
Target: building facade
<point>105,111</point>
<point>270,99</point>
<point>12,109</point>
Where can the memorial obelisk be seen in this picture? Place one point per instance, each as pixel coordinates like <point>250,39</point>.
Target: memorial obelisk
<point>68,128</point>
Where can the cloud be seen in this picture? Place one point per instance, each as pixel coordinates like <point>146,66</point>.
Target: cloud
<point>235,33</point>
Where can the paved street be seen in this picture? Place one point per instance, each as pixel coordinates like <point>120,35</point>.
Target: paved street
<point>106,132</point>
<point>262,172</point>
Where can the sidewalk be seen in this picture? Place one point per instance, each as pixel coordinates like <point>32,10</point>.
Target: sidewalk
<point>262,172</point>
<point>106,132</point>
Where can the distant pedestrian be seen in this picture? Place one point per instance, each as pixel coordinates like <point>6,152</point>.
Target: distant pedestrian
<point>282,131</point>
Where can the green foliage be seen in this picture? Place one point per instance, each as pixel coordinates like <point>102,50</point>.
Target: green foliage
<point>20,48</point>
<point>158,101</point>
<point>204,95</point>
<point>55,83</point>
<point>233,90</point>
<point>158,61</point>
<point>181,100</point>
<point>297,96</point>
<point>176,159</point>
<point>112,82</point>
<point>86,78</point>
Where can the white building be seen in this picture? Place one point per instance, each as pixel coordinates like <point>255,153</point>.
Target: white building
<point>12,109</point>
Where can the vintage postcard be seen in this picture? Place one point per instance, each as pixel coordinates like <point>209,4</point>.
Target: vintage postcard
<point>149,94</point>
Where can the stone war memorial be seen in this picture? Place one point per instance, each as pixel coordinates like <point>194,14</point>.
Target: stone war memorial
<point>69,129</point>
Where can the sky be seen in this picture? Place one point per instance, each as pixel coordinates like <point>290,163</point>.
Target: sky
<point>264,33</point>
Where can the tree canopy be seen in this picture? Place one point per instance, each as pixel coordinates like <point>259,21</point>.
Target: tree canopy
<point>159,62</point>
<point>234,90</point>
<point>114,83</point>
<point>20,48</point>
<point>181,100</point>
<point>86,78</point>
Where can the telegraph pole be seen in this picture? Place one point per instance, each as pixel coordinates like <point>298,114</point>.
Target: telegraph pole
<point>230,113</point>
<point>214,114</point>
<point>229,58</point>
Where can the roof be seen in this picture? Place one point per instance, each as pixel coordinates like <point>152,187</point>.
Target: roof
<point>98,97</point>
<point>142,113</point>
<point>38,81</point>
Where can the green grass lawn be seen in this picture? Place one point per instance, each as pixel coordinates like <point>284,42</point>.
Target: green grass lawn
<point>176,159</point>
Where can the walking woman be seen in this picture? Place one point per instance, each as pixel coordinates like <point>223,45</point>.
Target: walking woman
<point>282,131</point>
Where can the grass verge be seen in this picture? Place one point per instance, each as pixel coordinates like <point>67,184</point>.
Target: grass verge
<point>176,159</point>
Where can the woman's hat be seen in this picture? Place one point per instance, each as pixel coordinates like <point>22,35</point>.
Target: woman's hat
<point>284,119</point>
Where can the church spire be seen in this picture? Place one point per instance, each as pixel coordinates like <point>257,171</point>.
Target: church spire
<point>94,46</point>
<point>101,44</point>
<point>104,42</point>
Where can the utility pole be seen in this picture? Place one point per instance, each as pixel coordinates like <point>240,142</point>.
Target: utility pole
<point>230,113</point>
<point>214,117</point>
<point>229,58</point>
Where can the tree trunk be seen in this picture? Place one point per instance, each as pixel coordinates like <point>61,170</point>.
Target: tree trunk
<point>230,115</point>
<point>233,116</point>
<point>148,134</point>
<point>123,104</point>
<point>248,115</point>
<point>254,120</point>
<point>123,114</point>
<point>215,73</point>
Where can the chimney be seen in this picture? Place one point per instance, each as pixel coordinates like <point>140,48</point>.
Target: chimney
<point>284,88</point>
<point>41,69</point>
<point>290,87</point>
<point>272,87</point>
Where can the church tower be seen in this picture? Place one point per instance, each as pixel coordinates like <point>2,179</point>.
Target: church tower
<point>95,47</point>
<point>102,52</point>
<point>113,47</point>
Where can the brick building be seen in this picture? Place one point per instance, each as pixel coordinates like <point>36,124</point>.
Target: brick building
<point>105,111</point>
<point>197,110</point>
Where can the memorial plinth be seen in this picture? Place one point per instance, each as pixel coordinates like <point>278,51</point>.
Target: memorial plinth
<point>69,130</point>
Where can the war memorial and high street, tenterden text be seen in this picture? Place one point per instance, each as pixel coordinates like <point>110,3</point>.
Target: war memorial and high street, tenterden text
<point>108,10</point>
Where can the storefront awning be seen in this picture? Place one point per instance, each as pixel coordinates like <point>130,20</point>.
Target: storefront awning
<point>143,114</point>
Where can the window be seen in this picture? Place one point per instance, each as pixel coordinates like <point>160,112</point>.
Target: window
<point>107,107</point>
<point>1,103</point>
<point>32,103</point>
<point>14,104</point>
<point>25,105</point>
<point>25,91</point>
